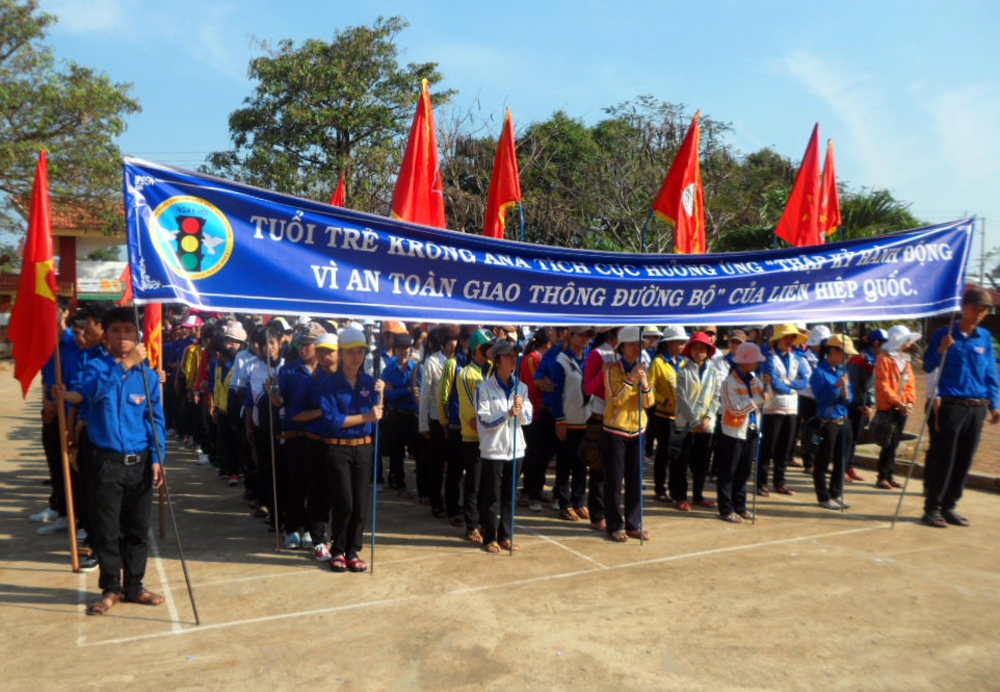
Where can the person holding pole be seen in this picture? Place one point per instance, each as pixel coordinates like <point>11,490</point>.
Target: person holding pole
<point>126,463</point>
<point>349,399</point>
<point>628,395</point>
<point>742,400</point>
<point>502,409</point>
<point>968,390</point>
<point>831,386</point>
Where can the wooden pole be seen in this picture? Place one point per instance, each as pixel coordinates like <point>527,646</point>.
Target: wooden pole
<point>74,550</point>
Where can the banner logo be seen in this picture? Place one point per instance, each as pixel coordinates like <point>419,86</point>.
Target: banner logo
<point>192,236</point>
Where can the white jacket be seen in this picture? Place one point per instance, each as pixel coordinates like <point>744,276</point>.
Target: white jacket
<point>500,437</point>
<point>430,383</point>
<point>697,394</point>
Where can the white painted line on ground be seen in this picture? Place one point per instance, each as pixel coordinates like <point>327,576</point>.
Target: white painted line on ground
<point>563,546</point>
<point>167,593</point>
<point>178,630</point>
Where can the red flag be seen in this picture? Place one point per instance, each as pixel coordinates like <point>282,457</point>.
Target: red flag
<point>126,281</point>
<point>829,203</point>
<point>33,328</point>
<point>505,186</point>
<point>799,223</point>
<point>340,195</point>
<point>682,198</point>
<point>152,330</point>
<point>419,194</point>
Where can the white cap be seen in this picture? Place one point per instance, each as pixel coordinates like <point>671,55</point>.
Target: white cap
<point>674,333</point>
<point>628,335</point>
<point>329,341</point>
<point>900,337</point>
<point>818,335</point>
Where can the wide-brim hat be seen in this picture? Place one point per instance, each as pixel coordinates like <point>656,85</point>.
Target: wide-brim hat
<point>818,335</point>
<point>651,331</point>
<point>748,352</point>
<point>630,334</point>
<point>581,329</point>
<point>899,337</point>
<point>235,331</point>
<point>699,338</point>
<point>674,333</point>
<point>842,342</point>
<point>783,330</point>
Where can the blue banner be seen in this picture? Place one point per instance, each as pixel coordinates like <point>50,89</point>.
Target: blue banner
<point>224,246</point>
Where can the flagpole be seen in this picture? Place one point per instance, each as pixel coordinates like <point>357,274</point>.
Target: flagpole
<point>644,227</point>
<point>376,366</point>
<point>513,461</point>
<point>74,549</point>
<point>274,466</point>
<point>520,209</point>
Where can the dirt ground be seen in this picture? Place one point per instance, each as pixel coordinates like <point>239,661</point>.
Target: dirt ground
<point>804,599</point>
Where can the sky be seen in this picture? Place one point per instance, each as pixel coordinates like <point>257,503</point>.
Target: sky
<point>909,91</point>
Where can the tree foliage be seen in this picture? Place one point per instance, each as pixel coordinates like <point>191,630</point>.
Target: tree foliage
<point>322,108</point>
<point>72,111</point>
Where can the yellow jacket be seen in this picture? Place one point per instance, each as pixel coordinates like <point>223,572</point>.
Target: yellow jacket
<point>469,379</point>
<point>663,380</point>
<point>625,415</point>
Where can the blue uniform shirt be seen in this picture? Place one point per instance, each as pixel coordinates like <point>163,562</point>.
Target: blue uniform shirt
<point>295,381</point>
<point>545,367</point>
<point>339,400</point>
<point>69,355</point>
<point>830,402</point>
<point>119,414</point>
<point>970,370</point>
<point>400,379</point>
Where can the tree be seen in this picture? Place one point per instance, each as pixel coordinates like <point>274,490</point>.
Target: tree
<point>323,108</point>
<point>72,111</point>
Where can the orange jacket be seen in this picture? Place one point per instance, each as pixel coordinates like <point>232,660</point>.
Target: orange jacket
<point>887,383</point>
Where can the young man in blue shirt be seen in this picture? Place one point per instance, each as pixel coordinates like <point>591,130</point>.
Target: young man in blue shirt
<point>127,433</point>
<point>967,392</point>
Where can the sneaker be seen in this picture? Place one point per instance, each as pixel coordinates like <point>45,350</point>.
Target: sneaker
<point>292,541</point>
<point>829,504</point>
<point>197,450</point>
<point>46,515</point>
<point>306,540</point>
<point>322,553</point>
<point>555,505</point>
<point>840,502</point>
<point>232,481</point>
<point>88,562</point>
<point>534,506</point>
<point>60,524</point>
<point>81,536</point>
<point>203,459</point>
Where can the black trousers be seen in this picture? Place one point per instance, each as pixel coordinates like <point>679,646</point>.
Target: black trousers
<point>779,439</point>
<point>454,468</point>
<point>434,462</point>
<point>473,471</point>
<point>225,445</point>
<point>622,460</point>
<point>540,442</point>
<point>497,490</point>
<point>664,430</point>
<point>53,456</point>
<point>318,500</point>
<point>832,452</point>
<point>807,410</point>
<point>955,431</point>
<point>734,459</point>
<point>571,473</point>
<point>400,431</point>
<point>348,475</point>
<point>887,455</point>
<point>695,453</point>
<point>121,502</point>
<point>293,482</point>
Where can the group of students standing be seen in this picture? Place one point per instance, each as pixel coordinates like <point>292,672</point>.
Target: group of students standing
<point>293,413</point>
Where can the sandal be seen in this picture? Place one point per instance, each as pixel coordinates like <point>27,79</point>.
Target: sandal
<point>356,564</point>
<point>105,603</point>
<point>456,520</point>
<point>338,563</point>
<point>662,497</point>
<point>784,490</point>
<point>732,518</point>
<point>619,536</point>
<point>439,513</point>
<point>582,512</point>
<point>638,533</point>
<point>747,515</point>
<point>492,547</point>
<point>569,514</point>
<point>883,485</point>
<point>506,545</point>
<point>474,536</point>
<point>146,597</point>
<point>599,525</point>
<point>705,502</point>
<point>683,505</point>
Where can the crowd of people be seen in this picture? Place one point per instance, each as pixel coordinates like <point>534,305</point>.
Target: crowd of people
<point>309,414</point>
